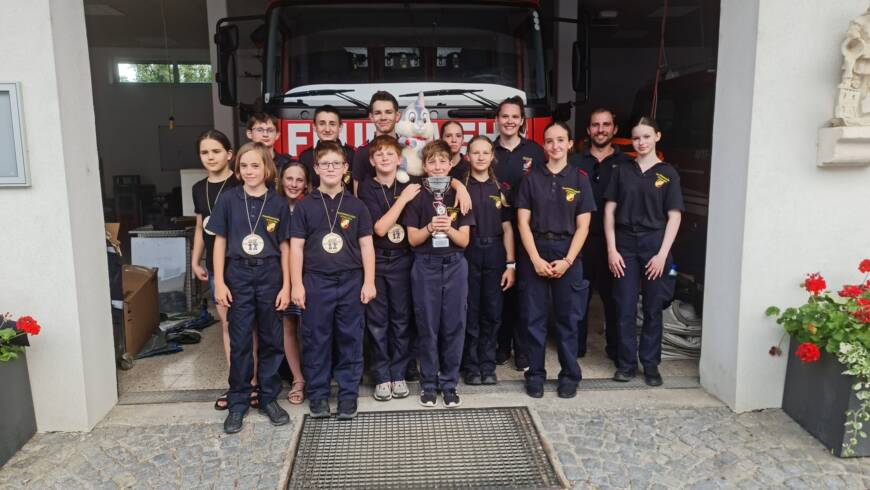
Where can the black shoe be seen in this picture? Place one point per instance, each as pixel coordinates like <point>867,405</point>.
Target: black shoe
<point>623,376</point>
<point>502,356</point>
<point>489,379</point>
<point>473,379</point>
<point>451,399</point>
<point>346,409</point>
<point>318,409</point>
<point>428,398</point>
<point>652,377</point>
<point>567,391</point>
<point>276,414</point>
<point>522,363</point>
<point>412,373</point>
<point>233,422</point>
<point>535,391</point>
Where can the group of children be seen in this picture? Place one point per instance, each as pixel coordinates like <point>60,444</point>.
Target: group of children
<point>334,244</point>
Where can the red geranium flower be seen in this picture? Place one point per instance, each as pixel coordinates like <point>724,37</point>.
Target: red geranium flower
<point>808,352</point>
<point>864,266</point>
<point>862,314</point>
<point>815,283</point>
<point>27,325</point>
<point>849,291</point>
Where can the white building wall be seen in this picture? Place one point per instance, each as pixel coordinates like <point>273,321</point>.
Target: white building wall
<point>774,215</point>
<point>52,255</point>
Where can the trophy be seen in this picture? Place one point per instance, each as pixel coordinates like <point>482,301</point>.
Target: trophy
<point>438,186</point>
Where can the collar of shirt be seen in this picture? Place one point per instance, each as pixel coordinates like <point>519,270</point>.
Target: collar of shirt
<point>587,153</point>
<point>561,173</point>
<point>520,145</point>
<point>636,166</point>
<point>240,193</point>
<point>316,194</point>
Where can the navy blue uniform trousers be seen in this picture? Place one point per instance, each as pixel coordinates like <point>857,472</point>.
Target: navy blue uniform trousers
<point>254,285</point>
<point>486,264</point>
<point>333,316</point>
<point>440,288</point>
<point>636,250</point>
<point>597,272</point>
<point>388,316</point>
<point>570,294</point>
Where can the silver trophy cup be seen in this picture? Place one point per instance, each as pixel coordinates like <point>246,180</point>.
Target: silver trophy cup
<point>438,186</point>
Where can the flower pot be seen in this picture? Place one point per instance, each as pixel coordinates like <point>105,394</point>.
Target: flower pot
<point>817,396</point>
<point>17,420</point>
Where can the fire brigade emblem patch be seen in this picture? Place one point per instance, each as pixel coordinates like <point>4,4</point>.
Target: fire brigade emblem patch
<point>661,180</point>
<point>271,223</point>
<point>497,200</point>
<point>345,220</point>
<point>570,193</point>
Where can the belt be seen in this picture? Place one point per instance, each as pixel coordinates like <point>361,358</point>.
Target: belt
<point>487,240</point>
<point>552,236</point>
<point>636,228</point>
<point>390,252</point>
<point>255,262</point>
<point>442,259</point>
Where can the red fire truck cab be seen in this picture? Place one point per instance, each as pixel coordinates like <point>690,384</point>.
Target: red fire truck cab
<point>464,56</point>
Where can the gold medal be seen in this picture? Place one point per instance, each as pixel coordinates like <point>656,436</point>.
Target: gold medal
<point>396,234</point>
<point>332,243</point>
<point>204,226</point>
<point>253,244</point>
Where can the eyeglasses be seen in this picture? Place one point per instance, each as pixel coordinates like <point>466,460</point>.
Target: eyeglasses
<point>264,130</point>
<point>326,165</point>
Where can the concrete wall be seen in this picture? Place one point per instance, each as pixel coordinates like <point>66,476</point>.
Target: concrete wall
<point>52,257</point>
<point>128,115</point>
<point>774,215</point>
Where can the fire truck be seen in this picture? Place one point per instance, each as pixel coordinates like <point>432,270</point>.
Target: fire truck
<point>464,56</point>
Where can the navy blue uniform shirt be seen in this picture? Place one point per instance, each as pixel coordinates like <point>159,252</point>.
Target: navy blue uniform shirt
<point>372,193</point>
<point>489,207</point>
<point>307,159</point>
<point>461,169</point>
<point>310,222</point>
<point>281,160</point>
<point>202,203</point>
<point>599,176</point>
<point>644,198</point>
<point>555,200</point>
<point>419,213</point>
<point>230,217</point>
<point>512,165</point>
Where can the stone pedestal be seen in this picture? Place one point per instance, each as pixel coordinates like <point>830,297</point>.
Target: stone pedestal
<point>846,146</point>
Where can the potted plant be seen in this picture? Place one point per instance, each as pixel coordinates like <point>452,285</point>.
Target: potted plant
<point>17,420</point>
<point>827,386</point>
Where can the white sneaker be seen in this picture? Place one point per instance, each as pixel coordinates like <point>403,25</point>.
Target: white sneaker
<point>400,389</point>
<point>383,392</point>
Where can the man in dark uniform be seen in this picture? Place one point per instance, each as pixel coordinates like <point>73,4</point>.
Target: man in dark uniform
<point>384,114</point>
<point>515,156</point>
<point>597,161</point>
<point>327,127</point>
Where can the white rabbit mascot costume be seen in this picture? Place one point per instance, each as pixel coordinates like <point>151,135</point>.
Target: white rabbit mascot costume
<point>414,130</point>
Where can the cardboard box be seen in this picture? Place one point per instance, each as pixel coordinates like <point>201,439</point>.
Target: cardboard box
<point>141,307</point>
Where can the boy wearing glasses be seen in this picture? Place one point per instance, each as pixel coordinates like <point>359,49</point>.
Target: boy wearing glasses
<point>263,128</point>
<point>597,161</point>
<point>332,272</point>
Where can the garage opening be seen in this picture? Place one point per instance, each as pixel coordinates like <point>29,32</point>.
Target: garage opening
<point>152,72</point>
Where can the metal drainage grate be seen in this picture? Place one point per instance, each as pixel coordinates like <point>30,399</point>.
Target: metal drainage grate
<point>459,448</point>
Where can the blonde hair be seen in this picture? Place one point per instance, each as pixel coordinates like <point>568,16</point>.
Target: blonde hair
<point>265,155</point>
<point>491,169</point>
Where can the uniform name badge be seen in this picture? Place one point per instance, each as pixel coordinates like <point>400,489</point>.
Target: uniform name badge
<point>253,244</point>
<point>204,226</point>
<point>396,233</point>
<point>332,243</point>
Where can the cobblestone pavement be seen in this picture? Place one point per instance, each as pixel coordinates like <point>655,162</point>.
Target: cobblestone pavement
<point>188,456</point>
<point>599,443</point>
<point>695,448</point>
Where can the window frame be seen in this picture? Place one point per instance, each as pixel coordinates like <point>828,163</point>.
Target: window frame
<point>16,113</point>
<point>176,78</point>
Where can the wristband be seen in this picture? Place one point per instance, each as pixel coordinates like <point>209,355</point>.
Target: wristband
<point>570,262</point>
<point>510,265</point>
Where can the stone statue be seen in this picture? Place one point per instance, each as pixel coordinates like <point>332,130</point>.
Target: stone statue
<point>853,100</point>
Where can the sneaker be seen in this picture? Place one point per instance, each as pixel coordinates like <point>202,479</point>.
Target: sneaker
<point>623,376</point>
<point>428,398</point>
<point>318,409</point>
<point>383,392</point>
<point>489,379</point>
<point>233,422</point>
<point>400,389</point>
<point>522,363</point>
<point>277,415</point>
<point>346,409</point>
<point>451,399</point>
<point>473,379</point>
<point>567,391</point>
<point>535,391</point>
<point>652,377</point>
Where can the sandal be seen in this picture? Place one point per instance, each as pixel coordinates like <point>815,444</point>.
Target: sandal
<point>297,393</point>
<point>254,402</point>
<point>222,403</point>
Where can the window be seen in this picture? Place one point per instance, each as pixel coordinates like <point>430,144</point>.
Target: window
<point>163,72</point>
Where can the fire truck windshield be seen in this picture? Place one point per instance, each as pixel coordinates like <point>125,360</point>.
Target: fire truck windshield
<point>418,46</point>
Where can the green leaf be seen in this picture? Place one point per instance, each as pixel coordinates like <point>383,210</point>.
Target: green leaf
<point>772,311</point>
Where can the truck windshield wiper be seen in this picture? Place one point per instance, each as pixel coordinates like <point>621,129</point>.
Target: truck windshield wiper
<point>340,93</point>
<point>468,93</point>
